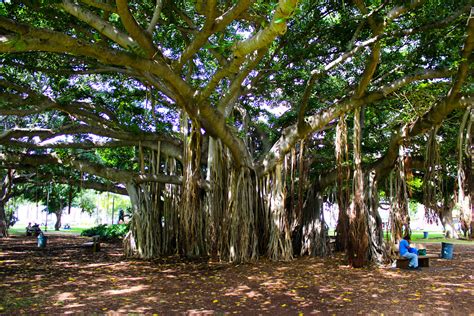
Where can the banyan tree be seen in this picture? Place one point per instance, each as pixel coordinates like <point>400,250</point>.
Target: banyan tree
<point>231,124</point>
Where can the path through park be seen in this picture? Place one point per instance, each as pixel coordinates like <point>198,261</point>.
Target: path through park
<point>64,278</point>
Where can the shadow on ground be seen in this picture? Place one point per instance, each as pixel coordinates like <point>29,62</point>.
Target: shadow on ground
<point>64,278</point>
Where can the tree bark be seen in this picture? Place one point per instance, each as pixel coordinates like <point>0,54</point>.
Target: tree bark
<point>58,214</point>
<point>357,247</point>
<point>3,221</point>
<point>315,238</point>
<point>343,191</point>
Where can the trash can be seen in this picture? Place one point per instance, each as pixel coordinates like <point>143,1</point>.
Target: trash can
<point>446,250</point>
<point>42,240</point>
<point>425,235</point>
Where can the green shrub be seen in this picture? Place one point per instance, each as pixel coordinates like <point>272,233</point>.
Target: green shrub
<point>107,232</point>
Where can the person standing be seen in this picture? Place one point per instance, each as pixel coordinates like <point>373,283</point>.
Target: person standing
<point>121,217</point>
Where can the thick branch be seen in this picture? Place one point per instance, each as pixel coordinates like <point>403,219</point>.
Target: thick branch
<point>156,16</point>
<point>74,129</point>
<point>212,26</point>
<point>267,35</point>
<point>135,31</point>
<point>32,39</point>
<point>291,135</point>
<point>111,174</point>
<point>100,5</point>
<point>99,24</point>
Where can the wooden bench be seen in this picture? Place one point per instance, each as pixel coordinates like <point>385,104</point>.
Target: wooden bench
<point>423,261</point>
<point>93,245</point>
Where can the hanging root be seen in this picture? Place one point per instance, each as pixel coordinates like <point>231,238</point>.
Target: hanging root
<point>432,181</point>
<point>279,244</point>
<point>315,241</point>
<point>343,192</point>
<point>242,237</point>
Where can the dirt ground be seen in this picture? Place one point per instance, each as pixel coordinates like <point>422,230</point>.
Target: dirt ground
<point>64,278</point>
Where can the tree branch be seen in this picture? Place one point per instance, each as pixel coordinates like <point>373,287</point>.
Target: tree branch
<point>291,134</point>
<point>99,24</point>
<point>156,17</point>
<point>100,5</point>
<point>32,39</point>
<point>265,36</point>
<point>143,39</point>
<point>111,174</point>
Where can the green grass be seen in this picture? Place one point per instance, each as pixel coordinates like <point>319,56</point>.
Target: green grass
<point>434,237</point>
<point>16,231</point>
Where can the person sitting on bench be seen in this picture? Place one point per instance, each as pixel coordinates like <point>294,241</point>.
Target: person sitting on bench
<point>409,252</point>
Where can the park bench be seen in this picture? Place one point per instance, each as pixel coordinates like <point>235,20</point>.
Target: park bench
<point>93,245</point>
<point>423,260</point>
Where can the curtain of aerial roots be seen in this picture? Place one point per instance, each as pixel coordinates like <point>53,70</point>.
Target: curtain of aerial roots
<point>464,173</point>
<point>154,227</point>
<point>273,193</point>
<point>432,180</point>
<point>192,217</point>
<point>343,191</point>
<point>377,252</point>
<point>399,219</point>
<point>436,198</point>
<point>357,247</point>
<point>4,196</point>
<point>308,227</point>
<point>232,207</point>
<point>315,231</point>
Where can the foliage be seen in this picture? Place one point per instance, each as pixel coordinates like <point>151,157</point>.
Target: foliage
<point>107,232</point>
<point>86,201</point>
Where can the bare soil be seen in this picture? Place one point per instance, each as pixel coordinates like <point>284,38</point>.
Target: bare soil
<point>64,278</point>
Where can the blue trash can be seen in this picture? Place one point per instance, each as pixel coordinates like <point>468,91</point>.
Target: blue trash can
<point>425,235</point>
<point>42,240</point>
<point>447,250</point>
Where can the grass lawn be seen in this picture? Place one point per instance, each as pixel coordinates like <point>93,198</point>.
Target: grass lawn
<point>417,236</point>
<point>18,231</point>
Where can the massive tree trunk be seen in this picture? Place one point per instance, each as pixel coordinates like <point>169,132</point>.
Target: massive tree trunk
<point>274,194</point>
<point>143,239</point>
<point>242,221</point>
<point>377,252</point>
<point>315,241</point>
<point>399,219</point>
<point>357,247</point>
<point>192,217</point>
<point>5,195</point>
<point>154,229</point>
<point>233,207</point>
<point>3,221</point>
<point>218,178</point>
<point>343,185</point>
